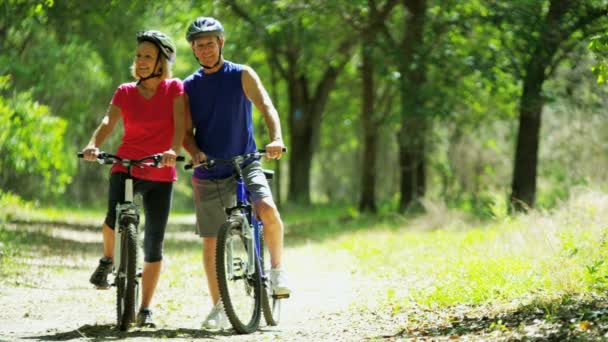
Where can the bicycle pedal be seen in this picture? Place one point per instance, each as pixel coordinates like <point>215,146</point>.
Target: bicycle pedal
<point>280,296</point>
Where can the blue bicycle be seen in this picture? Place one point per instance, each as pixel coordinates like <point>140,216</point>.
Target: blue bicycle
<point>242,269</point>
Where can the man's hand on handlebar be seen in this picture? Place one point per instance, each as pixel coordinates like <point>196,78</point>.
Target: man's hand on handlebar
<point>275,149</point>
<point>198,158</point>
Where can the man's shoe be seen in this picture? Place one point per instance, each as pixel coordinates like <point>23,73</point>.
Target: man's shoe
<point>99,278</point>
<point>216,320</point>
<point>144,319</point>
<point>278,282</point>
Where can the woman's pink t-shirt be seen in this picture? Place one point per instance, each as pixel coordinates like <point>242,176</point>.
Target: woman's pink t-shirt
<point>148,126</point>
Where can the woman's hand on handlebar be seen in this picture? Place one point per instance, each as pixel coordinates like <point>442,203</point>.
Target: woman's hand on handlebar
<point>169,158</point>
<point>90,153</point>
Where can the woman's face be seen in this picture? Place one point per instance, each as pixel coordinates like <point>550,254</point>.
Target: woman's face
<point>207,49</point>
<point>145,58</point>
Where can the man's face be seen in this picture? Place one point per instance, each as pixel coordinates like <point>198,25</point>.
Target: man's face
<point>207,49</point>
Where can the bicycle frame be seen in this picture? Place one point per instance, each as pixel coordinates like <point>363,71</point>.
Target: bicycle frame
<point>243,211</point>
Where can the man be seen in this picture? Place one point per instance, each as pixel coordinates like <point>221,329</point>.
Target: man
<point>219,124</point>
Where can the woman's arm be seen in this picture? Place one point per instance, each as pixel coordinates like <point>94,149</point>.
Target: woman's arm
<point>102,132</point>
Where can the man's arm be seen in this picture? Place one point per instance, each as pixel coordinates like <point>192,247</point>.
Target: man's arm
<point>254,90</point>
<point>170,155</point>
<point>189,142</point>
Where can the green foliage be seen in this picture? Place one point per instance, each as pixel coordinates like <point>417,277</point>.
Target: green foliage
<point>32,152</point>
<point>599,45</point>
<point>12,205</point>
<point>475,53</point>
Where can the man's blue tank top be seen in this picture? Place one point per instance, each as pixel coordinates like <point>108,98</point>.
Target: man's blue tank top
<point>221,116</point>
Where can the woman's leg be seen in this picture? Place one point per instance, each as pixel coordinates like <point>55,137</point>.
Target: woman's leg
<point>157,204</point>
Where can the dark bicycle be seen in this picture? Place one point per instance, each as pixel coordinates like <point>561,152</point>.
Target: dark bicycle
<point>127,268</point>
<point>242,269</point>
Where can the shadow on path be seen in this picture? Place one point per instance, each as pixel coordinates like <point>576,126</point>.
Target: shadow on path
<point>108,332</point>
<point>561,319</point>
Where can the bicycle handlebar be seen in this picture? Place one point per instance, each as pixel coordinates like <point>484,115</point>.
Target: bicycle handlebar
<point>209,163</point>
<point>152,160</point>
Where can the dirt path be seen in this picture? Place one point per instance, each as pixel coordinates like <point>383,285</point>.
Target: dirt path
<point>55,301</point>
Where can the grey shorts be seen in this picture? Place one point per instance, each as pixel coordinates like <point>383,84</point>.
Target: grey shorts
<point>211,196</point>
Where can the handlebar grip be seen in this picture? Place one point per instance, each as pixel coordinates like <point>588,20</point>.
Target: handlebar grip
<point>262,150</point>
<point>187,166</point>
<point>80,155</point>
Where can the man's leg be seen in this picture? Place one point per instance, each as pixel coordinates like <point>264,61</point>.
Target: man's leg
<point>273,229</point>
<point>209,266</point>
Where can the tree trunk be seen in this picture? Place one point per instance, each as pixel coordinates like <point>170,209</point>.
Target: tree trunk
<point>370,130</point>
<point>523,188</point>
<point>413,122</point>
<point>412,159</point>
<point>302,145</point>
<point>305,120</point>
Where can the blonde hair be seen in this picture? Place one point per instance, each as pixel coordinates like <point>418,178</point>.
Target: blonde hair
<point>163,62</point>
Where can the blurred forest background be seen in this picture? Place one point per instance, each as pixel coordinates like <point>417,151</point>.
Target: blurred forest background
<point>386,105</point>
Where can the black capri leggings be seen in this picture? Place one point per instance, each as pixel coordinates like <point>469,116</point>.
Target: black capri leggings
<point>157,204</point>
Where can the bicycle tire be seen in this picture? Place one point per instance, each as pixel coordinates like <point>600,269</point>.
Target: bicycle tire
<point>121,282</point>
<point>272,314</point>
<point>131,287</point>
<point>240,293</point>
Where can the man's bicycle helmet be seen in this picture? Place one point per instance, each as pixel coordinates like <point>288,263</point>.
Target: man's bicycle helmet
<point>164,43</point>
<point>204,26</point>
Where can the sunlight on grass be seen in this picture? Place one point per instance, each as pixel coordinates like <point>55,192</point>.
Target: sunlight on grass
<point>547,254</point>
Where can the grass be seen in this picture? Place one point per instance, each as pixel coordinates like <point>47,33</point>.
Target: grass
<point>540,255</point>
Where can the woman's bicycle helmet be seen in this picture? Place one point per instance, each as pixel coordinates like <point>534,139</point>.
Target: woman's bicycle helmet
<point>164,43</point>
<point>204,26</point>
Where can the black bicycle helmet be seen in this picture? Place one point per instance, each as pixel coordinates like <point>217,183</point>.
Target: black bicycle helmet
<point>204,26</point>
<point>164,43</point>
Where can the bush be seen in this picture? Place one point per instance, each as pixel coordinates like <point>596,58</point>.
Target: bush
<point>33,159</point>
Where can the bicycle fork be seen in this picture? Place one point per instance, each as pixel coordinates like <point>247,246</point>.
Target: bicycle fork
<point>249,241</point>
<point>126,213</point>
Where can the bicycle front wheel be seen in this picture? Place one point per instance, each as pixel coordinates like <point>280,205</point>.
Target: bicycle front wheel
<point>127,286</point>
<point>240,291</point>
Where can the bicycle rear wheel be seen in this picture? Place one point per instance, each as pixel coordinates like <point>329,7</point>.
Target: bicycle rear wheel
<point>126,284</point>
<point>271,307</point>
<point>240,292</point>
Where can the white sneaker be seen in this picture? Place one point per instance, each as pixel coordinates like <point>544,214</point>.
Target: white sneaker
<point>216,319</point>
<point>278,282</point>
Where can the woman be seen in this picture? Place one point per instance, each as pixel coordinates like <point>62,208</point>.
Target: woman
<point>152,110</point>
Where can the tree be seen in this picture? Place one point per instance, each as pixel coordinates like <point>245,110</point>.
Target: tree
<point>294,34</point>
<point>367,20</point>
<point>565,23</point>
<point>408,54</point>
